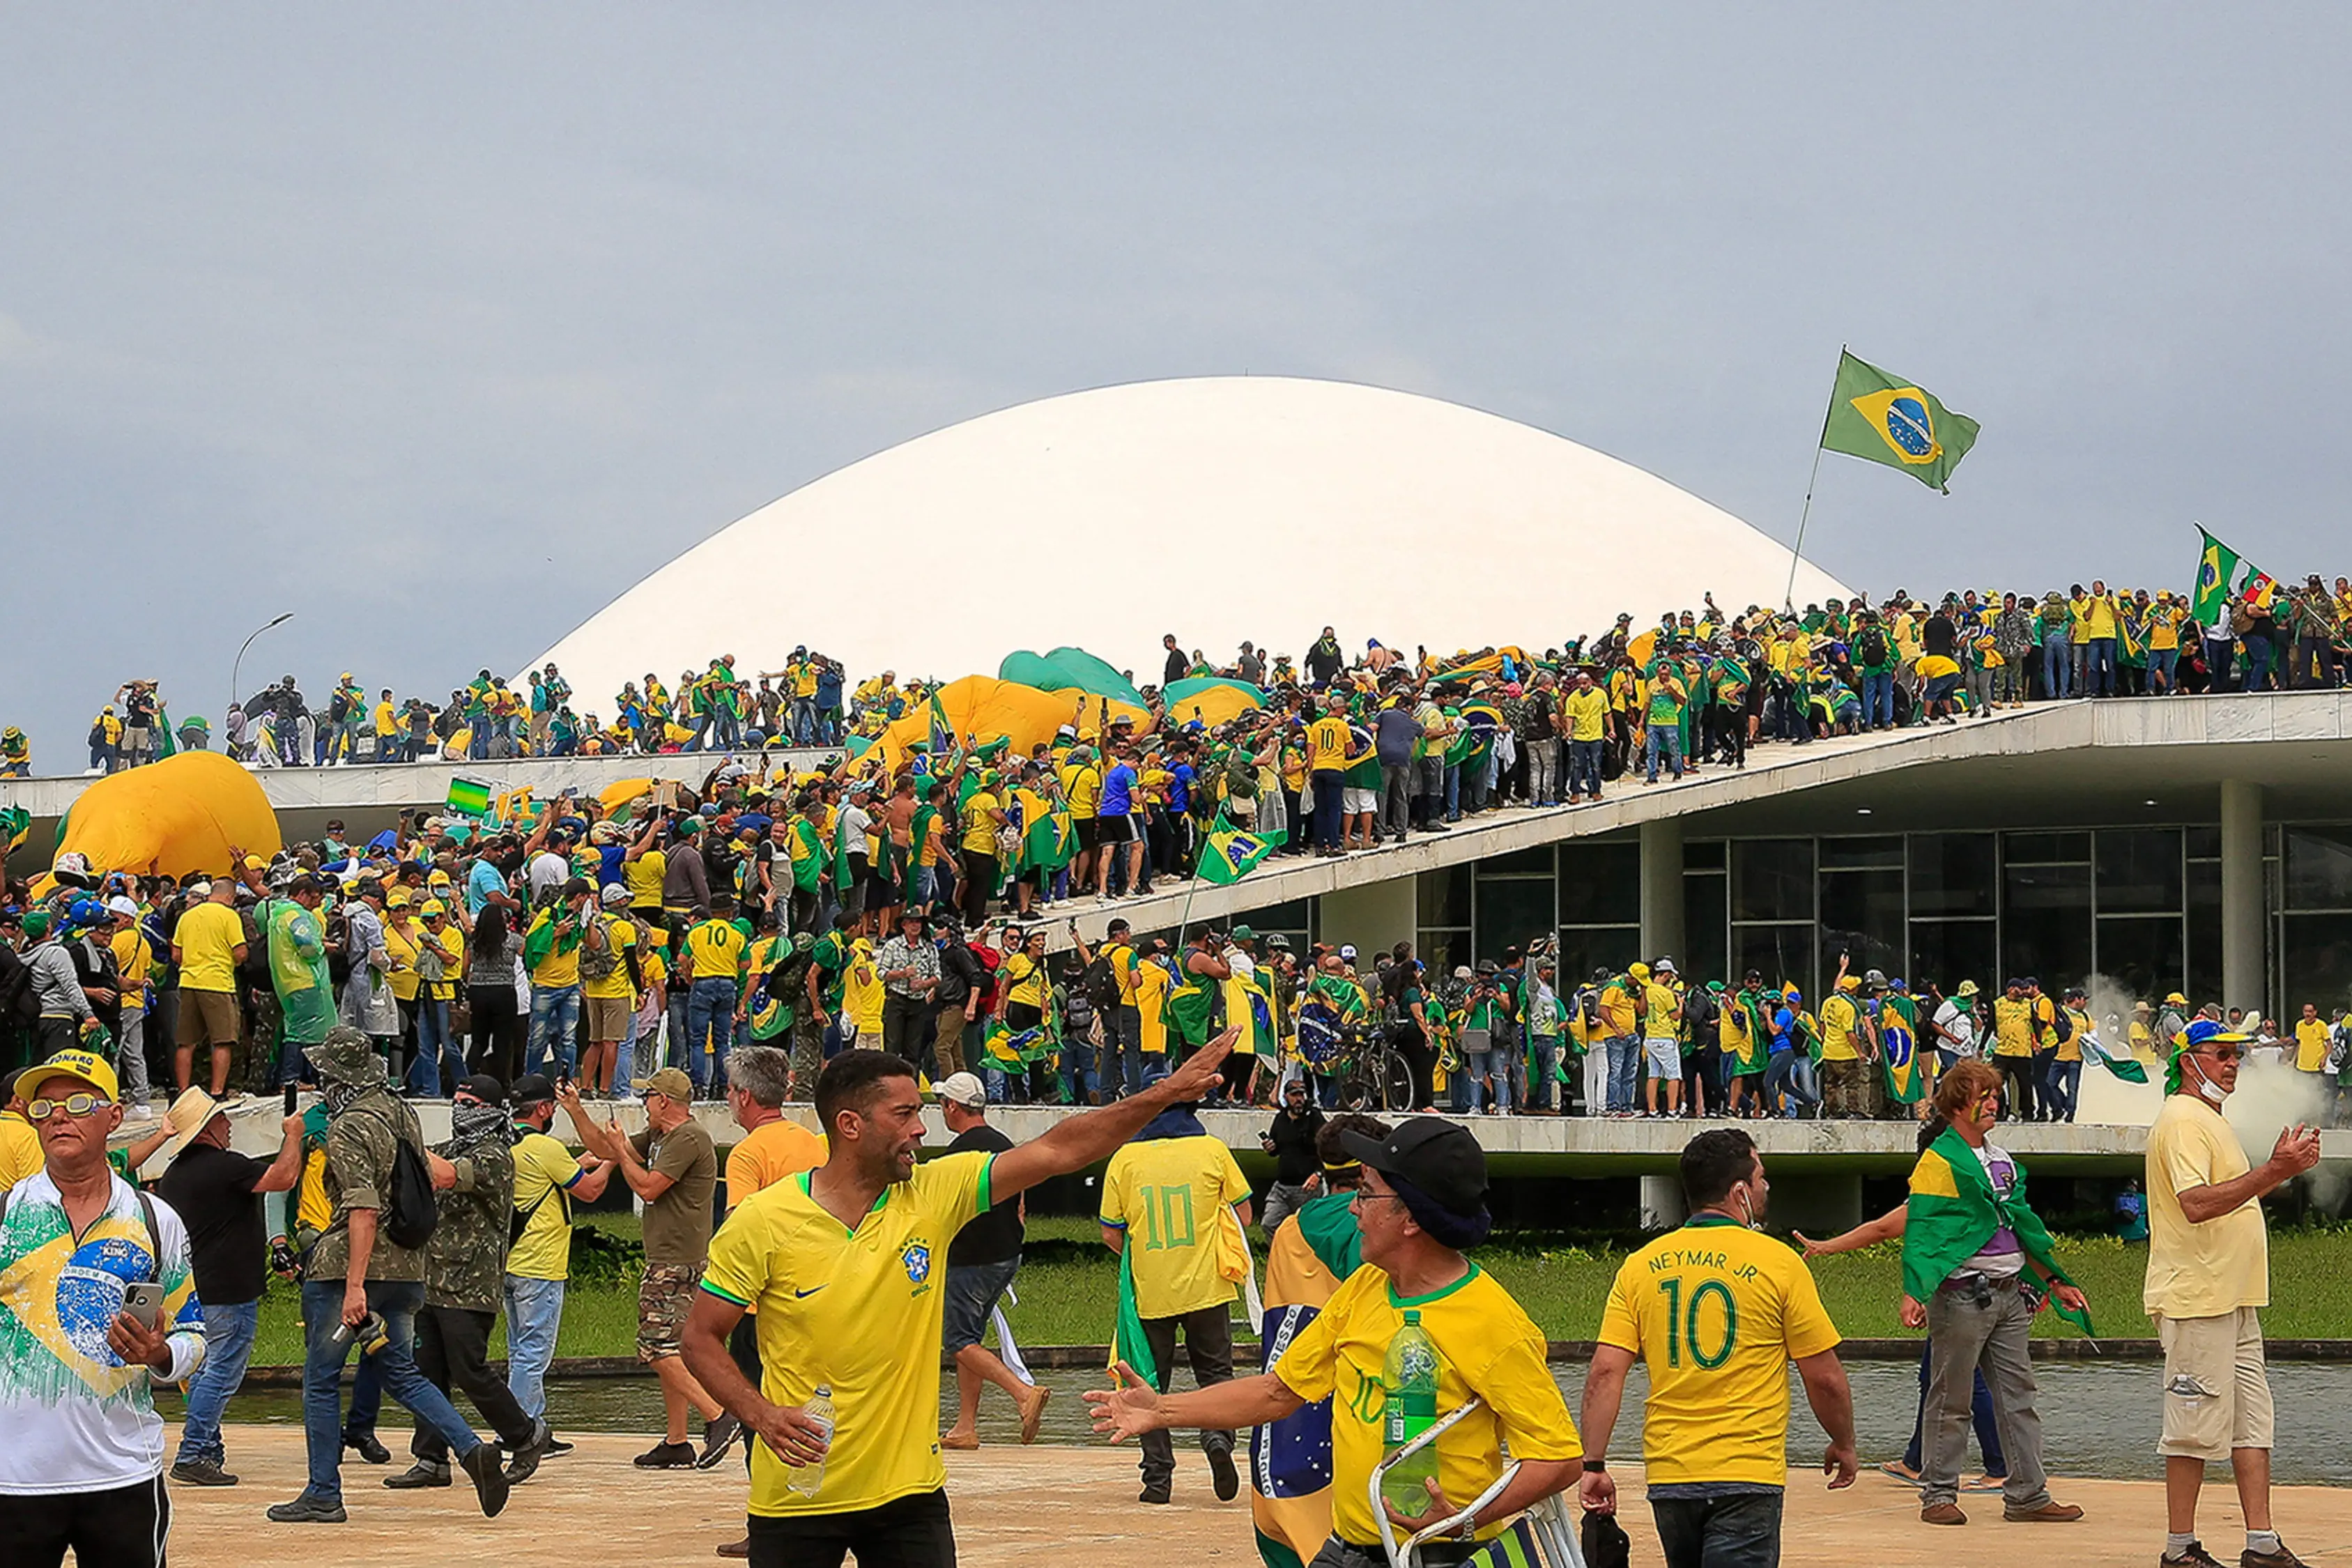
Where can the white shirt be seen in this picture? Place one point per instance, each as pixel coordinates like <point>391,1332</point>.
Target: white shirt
<point>1960,1024</point>
<point>547,872</point>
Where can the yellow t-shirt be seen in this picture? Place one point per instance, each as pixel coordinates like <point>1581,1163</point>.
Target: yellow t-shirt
<point>132,959</point>
<point>1718,1312</point>
<point>717,949</point>
<point>845,1309</point>
<point>453,961</point>
<point>2012,1027</point>
<point>861,988</point>
<point>1327,744</point>
<point>1587,713</point>
<point>560,966</point>
<point>1122,963</point>
<point>979,824</point>
<point>2310,1044</point>
<point>643,877</point>
<point>2200,1271</point>
<point>1616,1008</point>
<point>1167,1195</point>
<point>1840,1018</point>
<point>1024,981</point>
<point>20,1150</point>
<point>387,722</point>
<point>2070,1049</point>
<point>767,1154</point>
<point>621,935</point>
<point>542,1165</point>
<point>399,945</point>
<point>2163,627</point>
<point>1152,984</point>
<point>1082,786</point>
<point>1660,1011</point>
<point>1487,1348</point>
<point>207,937</point>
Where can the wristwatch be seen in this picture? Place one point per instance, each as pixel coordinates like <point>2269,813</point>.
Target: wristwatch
<point>1596,1467</point>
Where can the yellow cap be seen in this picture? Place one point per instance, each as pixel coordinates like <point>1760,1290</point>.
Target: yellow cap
<point>433,907</point>
<point>396,900</point>
<point>83,1066</point>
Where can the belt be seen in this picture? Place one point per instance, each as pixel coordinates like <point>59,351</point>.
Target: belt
<point>1971,1282</point>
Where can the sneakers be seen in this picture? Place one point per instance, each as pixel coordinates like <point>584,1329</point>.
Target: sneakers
<point>365,1444</point>
<point>202,1473</point>
<point>667,1457</point>
<point>2195,1557</point>
<point>2052,1513</point>
<point>421,1474</point>
<point>308,1509</point>
<point>2282,1557</point>
<point>1228,1480</point>
<point>717,1439</point>
<point>553,1445</point>
<point>1942,1513</point>
<point>489,1477</point>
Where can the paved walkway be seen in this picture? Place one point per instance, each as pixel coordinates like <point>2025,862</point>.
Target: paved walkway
<point>1017,1506</point>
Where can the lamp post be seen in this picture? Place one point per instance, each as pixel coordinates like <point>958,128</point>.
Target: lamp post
<point>236,667</point>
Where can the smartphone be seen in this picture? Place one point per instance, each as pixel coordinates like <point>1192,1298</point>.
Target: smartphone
<point>145,1303</point>
<point>290,1100</point>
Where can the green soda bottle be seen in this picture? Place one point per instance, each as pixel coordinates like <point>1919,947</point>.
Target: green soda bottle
<point>1410,1377</point>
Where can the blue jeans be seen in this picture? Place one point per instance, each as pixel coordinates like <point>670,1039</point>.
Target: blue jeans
<point>228,1346</point>
<point>2058,667</point>
<point>2103,668</point>
<point>2258,663</point>
<point>2160,663</point>
<point>1584,767</point>
<point>1790,1073</point>
<point>1624,1071</point>
<point>1665,739</point>
<point>554,1028</point>
<point>1327,782</point>
<point>323,1376</point>
<point>2062,1089</point>
<point>438,1055</point>
<point>1079,1068</point>
<point>709,1022</point>
<point>1741,1529</point>
<point>1878,699</point>
<point>1484,1071</point>
<point>804,719</point>
<point>1543,1064</point>
<point>534,1311</point>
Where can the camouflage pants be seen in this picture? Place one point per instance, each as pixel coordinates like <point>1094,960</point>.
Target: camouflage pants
<point>808,1055</point>
<point>1848,1088</point>
<point>665,1297</point>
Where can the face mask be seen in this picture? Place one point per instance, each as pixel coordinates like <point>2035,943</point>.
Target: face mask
<point>2206,1086</point>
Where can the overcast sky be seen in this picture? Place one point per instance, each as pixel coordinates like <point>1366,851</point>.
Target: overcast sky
<point>440,327</point>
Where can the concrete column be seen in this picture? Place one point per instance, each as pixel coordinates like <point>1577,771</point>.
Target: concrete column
<point>1661,890</point>
<point>2243,905</point>
<point>1375,916</point>
<point>1662,1202</point>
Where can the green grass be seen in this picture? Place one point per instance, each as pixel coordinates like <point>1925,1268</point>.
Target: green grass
<point>1070,1281</point>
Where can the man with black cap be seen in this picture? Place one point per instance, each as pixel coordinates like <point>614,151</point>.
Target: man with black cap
<point>464,1274</point>
<point>547,1178</point>
<point>1421,1202</point>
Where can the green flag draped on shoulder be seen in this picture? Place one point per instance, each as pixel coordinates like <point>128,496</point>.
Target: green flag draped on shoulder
<point>1954,1211</point>
<point>1898,1041</point>
<point>1885,419</point>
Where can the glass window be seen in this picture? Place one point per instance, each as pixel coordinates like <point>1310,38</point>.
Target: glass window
<point>1783,953</point>
<point>2204,843</point>
<point>1862,854</point>
<point>2145,954</point>
<point>1512,912</point>
<point>1534,862</point>
<point>2139,870</point>
<point>2204,931</point>
<point>2045,925</point>
<point>1443,897</point>
<point>2045,849</point>
<point>1705,917</point>
<point>1600,884</point>
<point>2316,951</point>
<point>1585,949</point>
<point>1953,873</point>
<point>1772,880</point>
<point>2319,870</point>
<point>1440,948</point>
<point>1945,952</point>
<point>1861,916</point>
<point>1704,853</point>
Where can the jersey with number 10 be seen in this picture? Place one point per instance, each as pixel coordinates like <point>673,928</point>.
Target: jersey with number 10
<point>1166,1194</point>
<point>1718,1312</point>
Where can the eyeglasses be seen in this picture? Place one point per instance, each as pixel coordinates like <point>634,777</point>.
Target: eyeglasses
<point>2224,1053</point>
<point>75,1105</point>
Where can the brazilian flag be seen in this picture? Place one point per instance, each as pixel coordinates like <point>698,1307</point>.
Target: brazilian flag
<point>1898,1040</point>
<point>2217,574</point>
<point>1885,419</point>
<point>1229,854</point>
<point>16,822</point>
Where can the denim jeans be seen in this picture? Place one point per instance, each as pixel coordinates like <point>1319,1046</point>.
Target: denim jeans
<point>228,1346</point>
<point>554,1028</point>
<point>1327,784</point>
<point>2062,1089</point>
<point>534,1311</point>
<point>1484,1071</point>
<point>2160,664</point>
<point>1584,767</point>
<point>2058,667</point>
<point>1079,1068</point>
<point>1624,1071</point>
<point>1741,1529</point>
<point>709,1028</point>
<point>2102,668</point>
<point>2257,677</point>
<point>1543,1067</point>
<point>323,1376</point>
<point>804,719</point>
<point>1665,739</point>
<point>439,1056</point>
<point>1878,699</point>
<point>1790,1073</point>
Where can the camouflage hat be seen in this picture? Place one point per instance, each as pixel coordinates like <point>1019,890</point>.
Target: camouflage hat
<point>347,1055</point>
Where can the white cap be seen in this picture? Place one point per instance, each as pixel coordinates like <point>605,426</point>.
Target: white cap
<point>1663,967</point>
<point>963,1089</point>
<point>118,905</point>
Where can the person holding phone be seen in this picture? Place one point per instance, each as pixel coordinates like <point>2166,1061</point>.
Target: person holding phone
<point>83,1467</point>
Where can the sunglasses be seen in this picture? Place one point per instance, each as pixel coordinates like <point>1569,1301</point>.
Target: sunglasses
<point>2224,1053</point>
<point>76,1105</point>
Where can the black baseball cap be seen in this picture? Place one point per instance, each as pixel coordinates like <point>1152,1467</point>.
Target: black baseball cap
<point>1436,1157</point>
<point>486,1089</point>
<point>530,1089</point>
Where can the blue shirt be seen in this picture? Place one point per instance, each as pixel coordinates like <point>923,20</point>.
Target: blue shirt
<point>1118,792</point>
<point>481,883</point>
<point>1180,789</point>
<point>828,690</point>
<point>1784,1025</point>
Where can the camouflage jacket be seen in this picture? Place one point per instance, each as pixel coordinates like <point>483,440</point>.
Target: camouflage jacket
<point>466,1261</point>
<point>361,1143</point>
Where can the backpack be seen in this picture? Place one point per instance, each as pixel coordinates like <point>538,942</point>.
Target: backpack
<point>1241,776</point>
<point>16,998</point>
<point>599,962</point>
<point>1100,982</point>
<point>409,1213</point>
<point>2062,1025</point>
<point>1870,646</point>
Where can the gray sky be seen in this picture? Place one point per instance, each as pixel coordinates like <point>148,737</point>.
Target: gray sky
<point>442,326</point>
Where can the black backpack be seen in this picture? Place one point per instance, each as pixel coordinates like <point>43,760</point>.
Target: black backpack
<point>1870,646</point>
<point>16,998</point>
<point>409,1213</point>
<point>2062,1025</point>
<point>1100,982</point>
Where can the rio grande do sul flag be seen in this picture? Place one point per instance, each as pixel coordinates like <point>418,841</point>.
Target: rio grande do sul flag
<point>1885,419</point>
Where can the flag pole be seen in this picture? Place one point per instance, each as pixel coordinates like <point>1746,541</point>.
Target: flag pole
<point>1797,550</point>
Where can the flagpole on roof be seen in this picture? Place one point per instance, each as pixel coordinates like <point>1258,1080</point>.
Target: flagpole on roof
<point>1797,550</point>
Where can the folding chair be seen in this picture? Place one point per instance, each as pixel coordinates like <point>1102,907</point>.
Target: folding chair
<point>1539,1538</point>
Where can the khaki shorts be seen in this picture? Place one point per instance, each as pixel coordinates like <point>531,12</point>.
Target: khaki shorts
<point>608,1019</point>
<point>665,1297</point>
<point>207,1018</point>
<point>2217,1394</point>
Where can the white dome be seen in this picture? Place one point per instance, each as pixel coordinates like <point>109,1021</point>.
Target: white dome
<point>1220,508</point>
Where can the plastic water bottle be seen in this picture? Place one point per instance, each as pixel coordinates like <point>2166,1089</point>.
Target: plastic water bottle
<point>1411,1375</point>
<point>809,1478</point>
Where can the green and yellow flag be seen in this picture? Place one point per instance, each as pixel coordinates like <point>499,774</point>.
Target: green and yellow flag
<point>1898,1039</point>
<point>16,822</point>
<point>1954,1211</point>
<point>2217,575</point>
<point>1229,855</point>
<point>1885,419</point>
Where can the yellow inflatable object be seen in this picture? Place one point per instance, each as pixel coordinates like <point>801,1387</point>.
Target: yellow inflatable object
<point>172,818</point>
<point>1097,714</point>
<point>1215,704</point>
<point>980,708</point>
<point>613,796</point>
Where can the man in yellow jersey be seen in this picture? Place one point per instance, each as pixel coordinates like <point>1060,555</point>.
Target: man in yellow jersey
<point>207,944</point>
<point>1328,745</point>
<point>1167,1198</point>
<point>2012,1050</point>
<point>1584,714</point>
<point>546,1180</point>
<point>1421,1202</point>
<point>1718,1311</point>
<point>1846,1055</point>
<point>2311,1040</point>
<point>845,1264</point>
